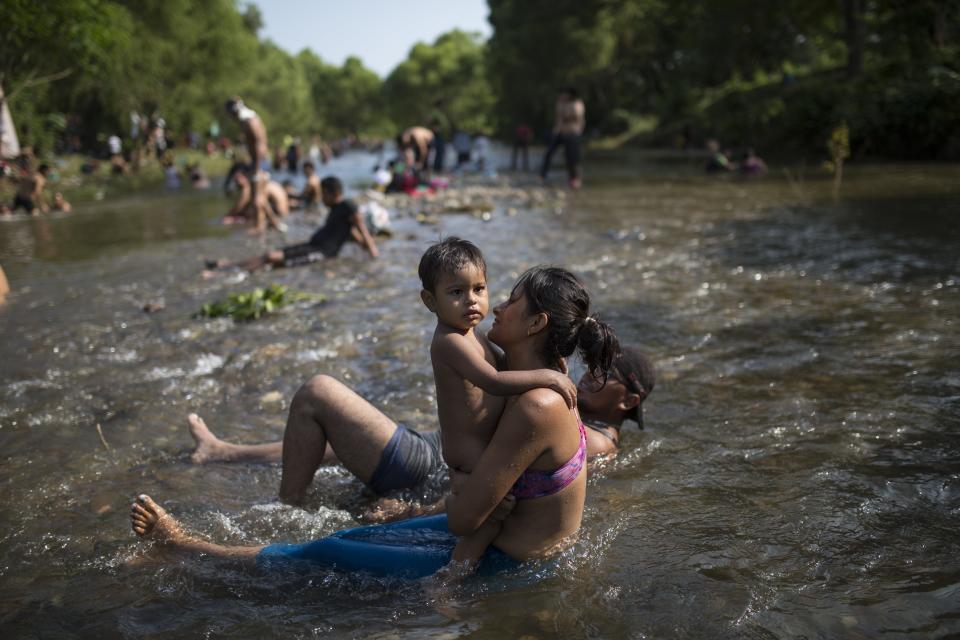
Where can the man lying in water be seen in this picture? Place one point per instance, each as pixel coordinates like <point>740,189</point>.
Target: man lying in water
<point>411,549</point>
<point>343,223</point>
<point>329,423</point>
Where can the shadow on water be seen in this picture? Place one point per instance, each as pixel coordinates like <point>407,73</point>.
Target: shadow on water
<point>98,231</point>
<point>863,239</point>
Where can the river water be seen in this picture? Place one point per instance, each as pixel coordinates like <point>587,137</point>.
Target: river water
<point>799,475</point>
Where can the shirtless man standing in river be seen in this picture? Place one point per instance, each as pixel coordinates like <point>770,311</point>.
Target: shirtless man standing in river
<point>415,145</point>
<point>255,134</point>
<point>30,192</point>
<point>570,123</point>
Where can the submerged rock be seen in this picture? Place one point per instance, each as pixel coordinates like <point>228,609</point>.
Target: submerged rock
<point>272,397</point>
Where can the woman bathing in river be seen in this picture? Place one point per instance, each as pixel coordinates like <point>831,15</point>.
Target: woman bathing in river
<point>537,453</point>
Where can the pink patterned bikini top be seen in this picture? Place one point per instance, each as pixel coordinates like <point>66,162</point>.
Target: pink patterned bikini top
<point>537,484</point>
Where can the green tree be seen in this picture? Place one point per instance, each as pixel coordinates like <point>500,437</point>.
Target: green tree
<point>357,103</point>
<point>348,99</point>
<point>451,71</point>
<point>52,59</point>
<point>187,61</point>
<point>277,88</point>
<point>539,46</point>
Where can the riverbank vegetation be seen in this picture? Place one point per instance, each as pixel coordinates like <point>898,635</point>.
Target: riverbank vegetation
<point>774,75</point>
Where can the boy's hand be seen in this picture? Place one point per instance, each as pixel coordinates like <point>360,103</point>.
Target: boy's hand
<point>563,385</point>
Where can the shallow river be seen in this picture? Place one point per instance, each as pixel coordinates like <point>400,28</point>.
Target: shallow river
<point>799,475</point>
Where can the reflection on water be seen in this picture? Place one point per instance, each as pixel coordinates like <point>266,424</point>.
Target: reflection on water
<point>799,477</point>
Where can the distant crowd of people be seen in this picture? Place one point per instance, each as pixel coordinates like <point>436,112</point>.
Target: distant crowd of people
<point>263,202</point>
<point>425,147</point>
<point>30,180</point>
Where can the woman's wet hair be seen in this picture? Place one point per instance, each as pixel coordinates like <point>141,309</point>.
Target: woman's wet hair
<point>571,328</point>
<point>446,257</point>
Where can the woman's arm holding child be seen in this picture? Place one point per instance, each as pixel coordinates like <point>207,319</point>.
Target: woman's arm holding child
<point>519,439</point>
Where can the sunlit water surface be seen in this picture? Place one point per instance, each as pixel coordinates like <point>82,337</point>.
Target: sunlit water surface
<point>799,475</point>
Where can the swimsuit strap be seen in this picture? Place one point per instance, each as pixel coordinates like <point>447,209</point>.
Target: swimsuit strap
<point>602,429</point>
<point>537,484</point>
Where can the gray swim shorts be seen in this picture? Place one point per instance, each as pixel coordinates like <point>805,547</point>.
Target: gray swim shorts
<point>409,459</point>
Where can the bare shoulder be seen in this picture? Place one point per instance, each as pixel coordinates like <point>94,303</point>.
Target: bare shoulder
<point>447,344</point>
<point>444,338</point>
<point>538,405</point>
<point>530,418</point>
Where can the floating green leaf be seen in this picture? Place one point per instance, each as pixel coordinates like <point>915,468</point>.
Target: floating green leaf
<point>250,306</point>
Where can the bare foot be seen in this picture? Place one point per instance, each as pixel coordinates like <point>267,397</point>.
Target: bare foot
<point>150,520</point>
<point>209,447</point>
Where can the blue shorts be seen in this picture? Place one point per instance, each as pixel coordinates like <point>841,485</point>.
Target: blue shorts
<point>409,459</point>
<point>410,549</point>
<point>251,169</point>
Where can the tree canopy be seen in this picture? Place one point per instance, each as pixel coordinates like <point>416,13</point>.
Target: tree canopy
<point>777,73</point>
<point>100,60</point>
<point>449,77</point>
